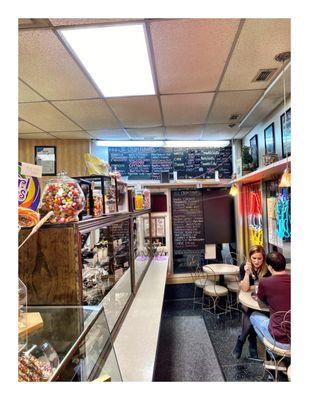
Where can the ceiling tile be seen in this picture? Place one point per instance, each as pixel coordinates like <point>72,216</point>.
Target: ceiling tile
<point>48,68</point>
<point>26,94</point>
<point>182,109</point>
<point>46,117</point>
<point>259,42</point>
<point>190,54</point>
<point>137,112</point>
<point>221,131</point>
<point>109,134</point>
<point>89,114</point>
<point>228,103</point>
<point>71,135</point>
<point>87,21</point>
<point>39,135</point>
<point>243,132</point>
<point>184,132</point>
<point>147,133</point>
<point>24,127</point>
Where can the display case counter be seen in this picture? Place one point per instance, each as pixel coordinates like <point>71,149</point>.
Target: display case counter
<point>75,341</point>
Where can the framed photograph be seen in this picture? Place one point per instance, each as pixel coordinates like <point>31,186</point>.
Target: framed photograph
<point>269,135</point>
<point>254,150</point>
<point>46,157</point>
<point>286,133</point>
<point>160,231</point>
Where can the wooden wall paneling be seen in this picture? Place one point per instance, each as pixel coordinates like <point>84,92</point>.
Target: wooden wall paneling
<point>70,154</point>
<point>49,266</point>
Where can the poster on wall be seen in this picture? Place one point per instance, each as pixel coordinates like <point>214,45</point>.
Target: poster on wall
<point>285,120</point>
<point>46,157</point>
<point>254,151</point>
<point>269,134</point>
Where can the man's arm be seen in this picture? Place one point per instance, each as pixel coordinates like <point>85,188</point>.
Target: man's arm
<point>261,294</point>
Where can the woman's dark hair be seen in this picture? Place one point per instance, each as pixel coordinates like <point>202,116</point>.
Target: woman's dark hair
<point>276,260</point>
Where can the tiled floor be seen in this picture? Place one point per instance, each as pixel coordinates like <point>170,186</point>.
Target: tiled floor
<point>189,352</point>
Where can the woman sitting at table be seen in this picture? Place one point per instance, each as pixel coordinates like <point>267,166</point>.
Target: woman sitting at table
<point>249,273</point>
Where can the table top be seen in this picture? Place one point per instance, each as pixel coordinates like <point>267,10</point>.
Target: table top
<point>246,299</point>
<point>221,269</point>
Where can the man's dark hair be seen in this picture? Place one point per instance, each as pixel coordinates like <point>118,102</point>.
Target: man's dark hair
<point>276,260</point>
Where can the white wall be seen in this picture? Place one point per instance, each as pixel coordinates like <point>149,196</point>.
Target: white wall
<point>259,130</point>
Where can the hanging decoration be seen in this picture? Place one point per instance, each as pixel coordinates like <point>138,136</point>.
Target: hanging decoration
<point>283,215</point>
<point>255,218</point>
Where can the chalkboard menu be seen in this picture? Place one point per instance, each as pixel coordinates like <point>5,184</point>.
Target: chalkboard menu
<point>148,162</point>
<point>188,228</point>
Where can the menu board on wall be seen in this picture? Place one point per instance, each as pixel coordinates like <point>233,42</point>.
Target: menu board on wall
<point>149,162</point>
<point>188,237</point>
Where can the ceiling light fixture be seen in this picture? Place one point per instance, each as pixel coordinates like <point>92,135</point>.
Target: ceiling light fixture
<point>285,180</point>
<point>161,143</point>
<point>116,57</point>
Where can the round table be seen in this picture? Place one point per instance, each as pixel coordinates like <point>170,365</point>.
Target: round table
<point>221,270</point>
<point>247,300</point>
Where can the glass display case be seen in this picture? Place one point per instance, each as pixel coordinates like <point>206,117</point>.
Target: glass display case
<point>122,196</point>
<point>142,247</point>
<point>22,315</point>
<point>78,350</point>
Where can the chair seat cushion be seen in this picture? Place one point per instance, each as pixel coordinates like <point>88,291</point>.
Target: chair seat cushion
<point>215,290</point>
<point>202,282</point>
<point>275,349</point>
<point>233,287</point>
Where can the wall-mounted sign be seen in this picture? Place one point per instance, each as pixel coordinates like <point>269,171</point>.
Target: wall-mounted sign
<point>46,157</point>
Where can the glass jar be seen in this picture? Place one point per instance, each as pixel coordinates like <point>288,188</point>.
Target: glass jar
<point>97,203</point>
<point>64,197</point>
<point>22,315</point>
<point>138,199</point>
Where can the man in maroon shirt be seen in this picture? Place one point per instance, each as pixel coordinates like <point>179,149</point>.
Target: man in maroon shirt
<point>276,292</point>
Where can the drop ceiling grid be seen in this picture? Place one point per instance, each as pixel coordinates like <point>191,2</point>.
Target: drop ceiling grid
<point>192,132</point>
<point>228,103</point>
<point>148,133</point>
<point>137,111</point>
<point>46,66</point>
<point>88,114</point>
<point>259,42</point>
<point>46,117</point>
<point>182,109</point>
<point>25,127</point>
<point>205,45</point>
<point>26,94</point>
<point>109,134</point>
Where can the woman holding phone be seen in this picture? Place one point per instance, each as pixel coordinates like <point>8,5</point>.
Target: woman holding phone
<point>249,274</point>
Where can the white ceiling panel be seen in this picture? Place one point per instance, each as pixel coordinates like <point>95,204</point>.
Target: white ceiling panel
<point>184,132</point>
<point>147,133</point>
<point>26,94</point>
<point>183,109</point>
<point>109,134</point>
<point>89,114</point>
<point>39,135</point>
<point>71,135</point>
<point>137,112</point>
<point>258,44</point>
<point>190,54</point>
<point>243,132</point>
<point>218,136</point>
<point>220,129</point>
<point>24,127</point>
<point>48,68</point>
<point>45,117</point>
<point>228,103</point>
<point>87,21</point>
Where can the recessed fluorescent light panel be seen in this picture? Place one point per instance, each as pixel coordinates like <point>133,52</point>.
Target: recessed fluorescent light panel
<point>161,143</point>
<point>116,57</point>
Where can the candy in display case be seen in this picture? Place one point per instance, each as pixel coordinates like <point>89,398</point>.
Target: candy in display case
<point>64,197</point>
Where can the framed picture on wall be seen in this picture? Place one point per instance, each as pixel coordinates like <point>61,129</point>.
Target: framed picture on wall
<point>46,157</point>
<point>254,150</point>
<point>269,135</point>
<point>285,121</point>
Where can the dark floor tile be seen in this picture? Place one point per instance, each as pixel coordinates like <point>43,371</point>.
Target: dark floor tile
<point>244,372</point>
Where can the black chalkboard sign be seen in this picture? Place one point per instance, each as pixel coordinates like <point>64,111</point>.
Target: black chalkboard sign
<point>188,229</point>
<point>148,162</point>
